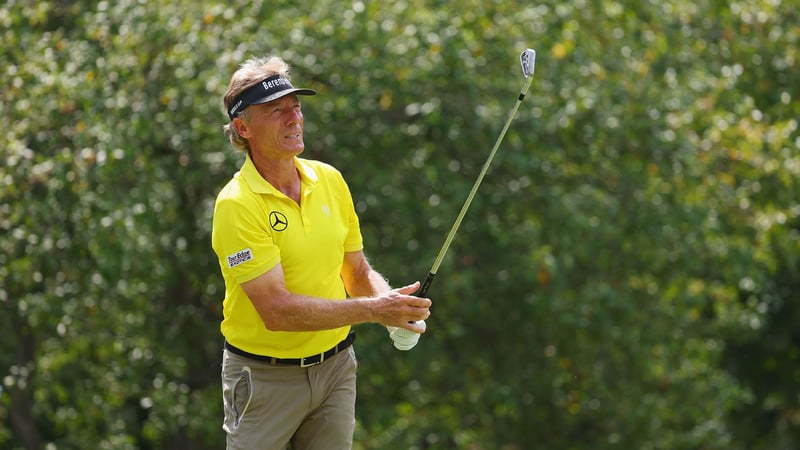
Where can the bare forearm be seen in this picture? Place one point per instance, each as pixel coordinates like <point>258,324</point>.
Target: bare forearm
<point>301,313</point>
<point>368,284</point>
<point>372,300</point>
<point>291,312</point>
<point>361,280</point>
<point>308,313</point>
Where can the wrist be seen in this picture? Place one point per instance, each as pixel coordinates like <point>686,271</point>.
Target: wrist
<point>372,307</point>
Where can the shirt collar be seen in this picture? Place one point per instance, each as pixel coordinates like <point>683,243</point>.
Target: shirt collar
<point>261,186</point>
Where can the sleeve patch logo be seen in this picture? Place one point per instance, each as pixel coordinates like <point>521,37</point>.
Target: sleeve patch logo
<point>239,257</point>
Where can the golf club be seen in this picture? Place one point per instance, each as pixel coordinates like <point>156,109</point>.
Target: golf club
<point>527,60</point>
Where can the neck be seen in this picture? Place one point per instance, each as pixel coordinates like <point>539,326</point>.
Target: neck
<point>282,174</point>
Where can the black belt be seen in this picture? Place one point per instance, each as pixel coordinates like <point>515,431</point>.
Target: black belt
<point>312,360</point>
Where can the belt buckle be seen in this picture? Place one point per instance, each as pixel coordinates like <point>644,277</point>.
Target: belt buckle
<point>313,361</point>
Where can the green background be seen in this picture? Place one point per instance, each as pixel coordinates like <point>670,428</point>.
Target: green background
<point>626,278</point>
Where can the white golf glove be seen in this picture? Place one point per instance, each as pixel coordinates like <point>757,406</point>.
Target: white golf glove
<point>404,339</point>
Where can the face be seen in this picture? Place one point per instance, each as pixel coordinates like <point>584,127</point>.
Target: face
<point>274,129</point>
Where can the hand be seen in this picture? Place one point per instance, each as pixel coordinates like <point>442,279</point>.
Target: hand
<point>404,339</point>
<point>400,308</point>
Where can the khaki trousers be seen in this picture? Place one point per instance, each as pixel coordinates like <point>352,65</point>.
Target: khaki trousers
<point>273,407</point>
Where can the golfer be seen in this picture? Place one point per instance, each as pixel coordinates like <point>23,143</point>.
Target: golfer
<point>296,278</point>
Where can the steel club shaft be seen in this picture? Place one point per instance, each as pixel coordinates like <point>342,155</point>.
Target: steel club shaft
<point>527,59</point>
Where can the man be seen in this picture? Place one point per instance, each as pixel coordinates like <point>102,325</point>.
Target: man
<point>290,250</point>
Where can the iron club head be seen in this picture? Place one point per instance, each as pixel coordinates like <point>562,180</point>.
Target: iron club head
<point>527,59</point>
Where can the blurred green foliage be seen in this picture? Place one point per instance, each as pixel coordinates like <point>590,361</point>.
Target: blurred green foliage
<point>627,276</point>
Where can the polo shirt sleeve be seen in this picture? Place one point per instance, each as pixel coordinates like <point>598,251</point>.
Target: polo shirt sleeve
<point>242,240</point>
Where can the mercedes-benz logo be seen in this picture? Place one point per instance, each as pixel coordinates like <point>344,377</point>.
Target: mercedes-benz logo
<point>278,221</point>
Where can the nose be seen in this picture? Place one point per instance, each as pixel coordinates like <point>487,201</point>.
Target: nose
<point>295,116</point>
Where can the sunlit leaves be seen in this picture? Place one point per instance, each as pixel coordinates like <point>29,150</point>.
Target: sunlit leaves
<point>640,218</point>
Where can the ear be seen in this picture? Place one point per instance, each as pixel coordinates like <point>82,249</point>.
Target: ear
<point>241,127</point>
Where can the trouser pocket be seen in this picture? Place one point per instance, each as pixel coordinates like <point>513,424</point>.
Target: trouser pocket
<point>241,394</point>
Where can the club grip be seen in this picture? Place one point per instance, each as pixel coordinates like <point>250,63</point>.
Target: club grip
<point>423,291</point>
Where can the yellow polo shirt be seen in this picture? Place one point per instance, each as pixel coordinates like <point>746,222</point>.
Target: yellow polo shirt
<point>256,227</point>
